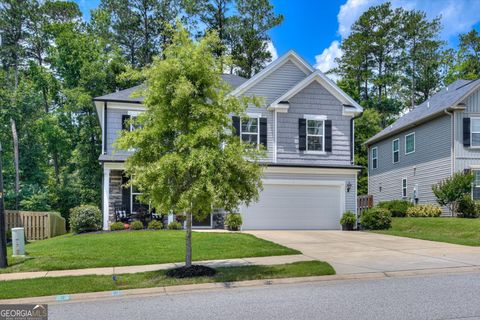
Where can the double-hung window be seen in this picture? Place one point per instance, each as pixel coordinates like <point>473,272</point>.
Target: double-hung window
<point>404,187</point>
<point>250,130</point>
<point>136,205</point>
<point>476,185</point>
<point>410,143</point>
<point>395,150</point>
<point>374,158</point>
<point>475,132</point>
<point>315,133</point>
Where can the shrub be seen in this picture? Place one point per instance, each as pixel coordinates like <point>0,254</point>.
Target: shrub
<point>467,208</point>
<point>85,218</point>
<point>233,221</point>
<point>376,219</point>
<point>174,225</point>
<point>9,235</point>
<point>348,219</point>
<point>398,208</point>
<point>424,210</point>
<point>155,225</point>
<point>117,226</point>
<point>451,190</point>
<point>136,225</point>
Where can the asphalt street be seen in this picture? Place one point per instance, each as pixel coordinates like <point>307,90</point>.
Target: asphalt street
<point>427,297</point>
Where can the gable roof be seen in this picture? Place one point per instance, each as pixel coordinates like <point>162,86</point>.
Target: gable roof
<point>328,84</point>
<point>125,95</point>
<point>289,56</point>
<point>446,98</point>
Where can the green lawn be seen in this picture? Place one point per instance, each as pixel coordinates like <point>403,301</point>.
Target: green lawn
<point>138,248</point>
<point>452,230</point>
<point>68,285</point>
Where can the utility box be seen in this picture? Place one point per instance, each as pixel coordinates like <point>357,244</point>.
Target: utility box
<point>18,242</point>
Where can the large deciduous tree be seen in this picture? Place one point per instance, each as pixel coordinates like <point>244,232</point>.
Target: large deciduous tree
<point>186,158</point>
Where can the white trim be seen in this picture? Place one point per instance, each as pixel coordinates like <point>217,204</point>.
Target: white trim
<point>328,84</point>
<point>414,142</point>
<point>405,188</point>
<point>114,165</point>
<point>134,113</point>
<point>252,116</point>
<point>321,118</point>
<point>314,152</point>
<point>289,56</point>
<point>126,106</point>
<point>304,182</point>
<point>314,117</point>
<point>275,136</point>
<point>393,151</point>
<point>204,227</point>
<point>376,157</point>
<point>104,134</point>
<point>471,133</point>
<point>131,197</point>
<point>307,170</point>
<point>106,198</point>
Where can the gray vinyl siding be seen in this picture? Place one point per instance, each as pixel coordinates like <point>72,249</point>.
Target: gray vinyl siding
<point>313,100</point>
<point>429,164</point>
<point>114,127</point>
<point>350,197</point>
<point>466,156</point>
<point>270,88</point>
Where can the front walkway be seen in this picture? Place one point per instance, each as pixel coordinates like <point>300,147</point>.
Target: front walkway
<point>154,267</point>
<point>360,252</point>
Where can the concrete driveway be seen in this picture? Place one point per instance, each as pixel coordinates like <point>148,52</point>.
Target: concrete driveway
<point>360,252</point>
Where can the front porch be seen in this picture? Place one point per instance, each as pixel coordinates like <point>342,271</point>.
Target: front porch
<point>120,203</point>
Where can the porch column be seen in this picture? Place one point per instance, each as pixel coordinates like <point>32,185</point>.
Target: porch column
<point>106,197</point>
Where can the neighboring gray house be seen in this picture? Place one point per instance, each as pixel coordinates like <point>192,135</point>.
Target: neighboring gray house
<point>435,139</point>
<point>306,125</point>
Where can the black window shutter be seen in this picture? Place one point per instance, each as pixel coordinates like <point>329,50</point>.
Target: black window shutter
<point>125,124</point>
<point>328,135</point>
<point>263,131</point>
<point>466,132</point>
<point>467,171</point>
<point>236,125</point>
<point>126,192</point>
<point>302,134</point>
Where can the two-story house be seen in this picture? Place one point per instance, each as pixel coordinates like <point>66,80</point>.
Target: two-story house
<point>306,124</point>
<point>435,139</point>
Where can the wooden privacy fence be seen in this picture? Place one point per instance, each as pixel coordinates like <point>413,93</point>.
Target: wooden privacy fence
<point>38,225</point>
<point>364,203</point>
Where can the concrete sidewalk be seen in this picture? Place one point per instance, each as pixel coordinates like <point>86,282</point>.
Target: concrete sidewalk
<point>272,260</point>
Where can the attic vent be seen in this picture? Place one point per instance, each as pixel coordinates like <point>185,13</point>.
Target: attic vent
<point>428,104</point>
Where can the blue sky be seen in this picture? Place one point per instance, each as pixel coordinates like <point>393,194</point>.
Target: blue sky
<point>315,28</point>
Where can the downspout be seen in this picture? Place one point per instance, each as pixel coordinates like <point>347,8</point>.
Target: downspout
<point>452,143</point>
<point>352,136</point>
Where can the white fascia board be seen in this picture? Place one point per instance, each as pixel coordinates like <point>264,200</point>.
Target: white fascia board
<point>126,106</point>
<point>114,165</point>
<point>326,83</point>
<point>312,170</point>
<point>289,56</point>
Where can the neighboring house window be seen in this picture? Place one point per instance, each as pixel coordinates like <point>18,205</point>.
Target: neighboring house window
<point>395,150</point>
<point>250,130</point>
<point>374,158</point>
<point>316,133</point>
<point>404,187</point>
<point>476,185</point>
<point>410,143</point>
<point>475,132</point>
<point>136,205</point>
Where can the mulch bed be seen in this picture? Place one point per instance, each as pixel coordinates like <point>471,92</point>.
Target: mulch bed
<point>191,272</point>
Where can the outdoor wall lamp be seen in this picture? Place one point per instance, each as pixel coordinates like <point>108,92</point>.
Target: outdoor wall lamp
<point>349,186</point>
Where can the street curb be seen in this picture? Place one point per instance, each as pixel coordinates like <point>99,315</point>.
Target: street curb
<point>168,290</point>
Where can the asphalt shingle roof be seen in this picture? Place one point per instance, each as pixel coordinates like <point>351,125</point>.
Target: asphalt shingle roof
<point>442,100</point>
<point>125,95</point>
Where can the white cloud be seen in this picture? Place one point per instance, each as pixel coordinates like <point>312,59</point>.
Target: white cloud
<point>273,51</point>
<point>326,60</point>
<point>458,16</point>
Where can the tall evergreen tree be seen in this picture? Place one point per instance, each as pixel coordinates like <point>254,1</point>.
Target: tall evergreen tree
<point>466,64</point>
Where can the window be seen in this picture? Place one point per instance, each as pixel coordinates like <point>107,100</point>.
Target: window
<point>476,185</point>
<point>136,205</point>
<point>374,158</point>
<point>249,130</point>
<point>395,150</point>
<point>410,143</point>
<point>404,187</point>
<point>315,135</point>
<point>475,132</point>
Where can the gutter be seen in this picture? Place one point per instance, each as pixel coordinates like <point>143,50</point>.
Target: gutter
<point>451,112</point>
<point>352,136</point>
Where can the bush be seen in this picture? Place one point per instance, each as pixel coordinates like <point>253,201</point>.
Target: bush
<point>348,220</point>
<point>85,218</point>
<point>424,210</point>
<point>155,225</point>
<point>117,226</point>
<point>376,219</point>
<point>233,221</point>
<point>9,235</point>
<point>136,225</point>
<point>398,208</point>
<point>451,190</point>
<point>174,225</point>
<point>467,208</point>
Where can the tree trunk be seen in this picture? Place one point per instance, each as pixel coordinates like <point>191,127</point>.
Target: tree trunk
<point>16,161</point>
<point>3,234</point>
<point>188,238</point>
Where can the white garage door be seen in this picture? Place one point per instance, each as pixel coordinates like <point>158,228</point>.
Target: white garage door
<point>295,207</point>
